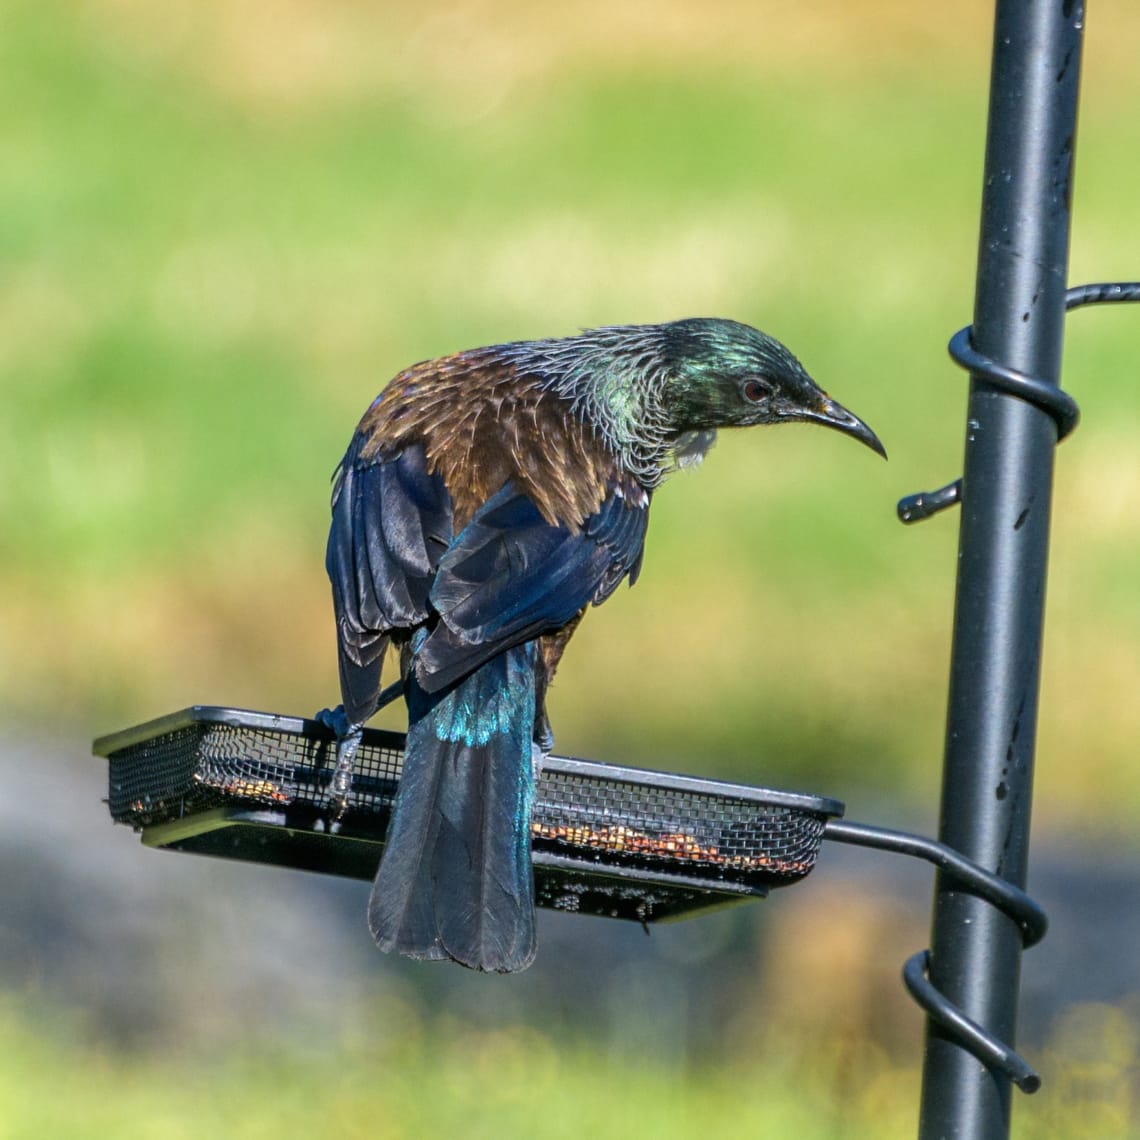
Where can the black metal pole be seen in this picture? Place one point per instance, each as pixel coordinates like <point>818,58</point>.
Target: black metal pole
<point>1003,544</point>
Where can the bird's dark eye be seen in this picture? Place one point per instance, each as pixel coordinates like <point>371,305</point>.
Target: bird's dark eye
<point>755,391</point>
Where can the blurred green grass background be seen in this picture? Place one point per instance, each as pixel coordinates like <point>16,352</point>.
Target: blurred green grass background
<point>224,227</point>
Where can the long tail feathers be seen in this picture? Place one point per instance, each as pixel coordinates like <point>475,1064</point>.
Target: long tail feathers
<point>456,879</point>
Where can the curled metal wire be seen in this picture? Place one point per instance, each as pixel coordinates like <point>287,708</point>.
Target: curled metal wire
<point>1009,899</point>
<point>1040,393</point>
<point>967,1032</point>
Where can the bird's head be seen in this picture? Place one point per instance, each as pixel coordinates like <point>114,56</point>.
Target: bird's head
<point>723,374</point>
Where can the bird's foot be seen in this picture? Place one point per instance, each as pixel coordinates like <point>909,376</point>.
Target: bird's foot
<point>348,741</point>
<point>543,736</point>
<point>336,719</point>
<point>341,783</point>
<point>538,756</point>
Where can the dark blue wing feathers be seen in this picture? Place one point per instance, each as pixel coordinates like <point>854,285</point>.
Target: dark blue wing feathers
<point>391,523</point>
<point>508,577</point>
<point>511,576</point>
<point>619,527</point>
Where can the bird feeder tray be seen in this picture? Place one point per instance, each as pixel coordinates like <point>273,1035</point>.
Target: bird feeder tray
<point>615,841</point>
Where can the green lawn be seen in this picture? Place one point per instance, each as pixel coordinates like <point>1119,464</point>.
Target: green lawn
<point>446,1079</point>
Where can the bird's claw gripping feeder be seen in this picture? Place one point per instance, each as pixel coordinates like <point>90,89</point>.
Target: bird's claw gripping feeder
<point>647,846</point>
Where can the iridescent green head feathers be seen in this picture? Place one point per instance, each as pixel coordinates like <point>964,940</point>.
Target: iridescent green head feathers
<point>725,374</point>
<point>657,391</point>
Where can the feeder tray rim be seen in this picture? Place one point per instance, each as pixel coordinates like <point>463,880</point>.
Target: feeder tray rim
<point>105,746</point>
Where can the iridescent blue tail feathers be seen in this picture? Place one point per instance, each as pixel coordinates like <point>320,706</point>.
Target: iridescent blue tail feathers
<point>456,879</point>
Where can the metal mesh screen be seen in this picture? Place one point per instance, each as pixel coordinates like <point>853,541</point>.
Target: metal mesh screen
<point>693,831</point>
<point>202,766</point>
<point>700,831</point>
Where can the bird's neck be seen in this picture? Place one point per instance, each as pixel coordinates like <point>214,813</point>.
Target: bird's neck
<point>613,380</point>
<point>621,405</point>
<point>625,407</point>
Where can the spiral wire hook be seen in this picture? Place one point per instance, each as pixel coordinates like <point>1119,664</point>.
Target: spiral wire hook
<point>1007,897</point>
<point>1051,399</point>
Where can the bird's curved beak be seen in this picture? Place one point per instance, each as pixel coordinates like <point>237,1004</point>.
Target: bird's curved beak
<point>833,414</point>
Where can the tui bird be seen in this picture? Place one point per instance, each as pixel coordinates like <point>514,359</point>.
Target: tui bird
<point>485,501</point>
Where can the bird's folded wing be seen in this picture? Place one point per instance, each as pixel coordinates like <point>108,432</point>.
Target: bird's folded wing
<point>390,527</point>
<point>510,576</point>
